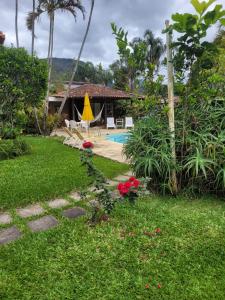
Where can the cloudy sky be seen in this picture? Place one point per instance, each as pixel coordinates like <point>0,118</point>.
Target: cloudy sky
<point>133,15</point>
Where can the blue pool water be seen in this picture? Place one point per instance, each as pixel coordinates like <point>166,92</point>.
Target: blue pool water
<point>118,138</point>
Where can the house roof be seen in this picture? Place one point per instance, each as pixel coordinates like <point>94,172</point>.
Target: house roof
<point>96,91</point>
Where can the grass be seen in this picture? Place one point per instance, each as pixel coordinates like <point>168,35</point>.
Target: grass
<point>52,170</point>
<point>116,260</point>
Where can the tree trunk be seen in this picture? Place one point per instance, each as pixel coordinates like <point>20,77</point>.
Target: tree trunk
<point>33,24</point>
<point>77,61</point>
<point>50,52</point>
<point>16,24</point>
<point>171,108</point>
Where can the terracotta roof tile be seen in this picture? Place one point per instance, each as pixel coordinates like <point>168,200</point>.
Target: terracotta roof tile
<point>95,91</point>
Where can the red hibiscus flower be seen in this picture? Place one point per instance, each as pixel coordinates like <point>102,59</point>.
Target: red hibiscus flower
<point>159,286</point>
<point>147,286</point>
<point>136,183</point>
<point>132,178</point>
<point>120,186</point>
<point>128,184</point>
<point>87,145</point>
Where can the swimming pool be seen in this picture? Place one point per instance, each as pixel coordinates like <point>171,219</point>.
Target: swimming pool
<point>118,137</point>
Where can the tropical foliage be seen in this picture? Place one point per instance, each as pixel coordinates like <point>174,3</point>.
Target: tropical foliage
<point>199,115</point>
<point>23,84</point>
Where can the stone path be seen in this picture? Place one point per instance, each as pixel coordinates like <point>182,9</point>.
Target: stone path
<point>29,211</point>
<point>9,235</point>
<point>43,223</point>
<point>46,222</point>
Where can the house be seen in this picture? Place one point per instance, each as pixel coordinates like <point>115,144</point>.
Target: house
<point>99,96</point>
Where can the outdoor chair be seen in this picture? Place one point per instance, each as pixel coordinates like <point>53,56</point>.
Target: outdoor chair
<point>110,123</point>
<point>84,125</point>
<point>129,122</point>
<point>78,139</point>
<point>67,122</point>
<point>74,124</point>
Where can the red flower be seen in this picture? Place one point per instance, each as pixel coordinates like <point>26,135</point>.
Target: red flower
<point>158,230</point>
<point>136,183</point>
<point>124,190</point>
<point>132,178</point>
<point>159,286</point>
<point>147,286</point>
<point>87,145</point>
<point>120,186</point>
<point>128,184</point>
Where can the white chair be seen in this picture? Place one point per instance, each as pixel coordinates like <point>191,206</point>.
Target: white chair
<point>84,125</point>
<point>110,123</point>
<point>129,122</point>
<point>67,122</point>
<point>73,124</point>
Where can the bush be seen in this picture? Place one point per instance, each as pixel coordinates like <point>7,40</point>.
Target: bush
<point>200,149</point>
<point>23,84</point>
<point>31,122</point>
<point>13,148</point>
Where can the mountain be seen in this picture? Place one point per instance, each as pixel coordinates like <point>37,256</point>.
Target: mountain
<point>87,71</point>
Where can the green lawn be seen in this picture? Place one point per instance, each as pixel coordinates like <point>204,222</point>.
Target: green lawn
<point>115,260</point>
<point>52,170</point>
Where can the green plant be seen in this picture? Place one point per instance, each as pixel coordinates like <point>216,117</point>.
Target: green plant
<point>13,148</point>
<point>103,196</point>
<point>23,83</point>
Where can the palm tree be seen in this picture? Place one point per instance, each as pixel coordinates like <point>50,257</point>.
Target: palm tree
<point>16,23</point>
<point>78,59</point>
<point>155,48</point>
<point>76,63</point>
<point>33,27</point>
<point>50,7</point>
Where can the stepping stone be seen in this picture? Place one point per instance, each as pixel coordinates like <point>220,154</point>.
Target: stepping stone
<point>58,203</point>
<point>121,178</point>
<point>43,223</point>
<point>75,196</point>
<point>5,218</point>
<point>112,182</point>
<point>10,234</point>
<point>29,211</point>
<point>74,212</point>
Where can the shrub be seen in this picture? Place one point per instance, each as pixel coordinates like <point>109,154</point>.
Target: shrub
<point>200,149</point>
<point>13,148</point>
<point>23,83</point>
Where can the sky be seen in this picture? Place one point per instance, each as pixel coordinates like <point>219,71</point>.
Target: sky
<point>135,16</point>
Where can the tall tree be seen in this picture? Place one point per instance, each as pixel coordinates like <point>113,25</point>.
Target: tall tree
<point>16,23</point>
<point>155,48</point>
<point>50,7</point>
<point>78,59</point>
<point>33,28</point>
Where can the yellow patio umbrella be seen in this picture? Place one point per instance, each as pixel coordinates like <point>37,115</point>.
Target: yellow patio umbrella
<point>87,114</point>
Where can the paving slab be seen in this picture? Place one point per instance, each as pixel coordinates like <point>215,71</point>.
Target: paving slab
<point>43,223</point>
<point>10,234</point>
<point>75,196</point>
<point>58,203</point>
<point>121,178</point>
<point>5,218</point>
<point>74,212</point>
<point>29,211</point>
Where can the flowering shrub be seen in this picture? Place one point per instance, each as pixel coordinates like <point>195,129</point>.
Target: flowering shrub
<point>130,188</point>
<point>103,197</point>
<point>88,145</point>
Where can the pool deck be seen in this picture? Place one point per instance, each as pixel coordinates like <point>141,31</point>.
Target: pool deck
<point>102,147</point>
